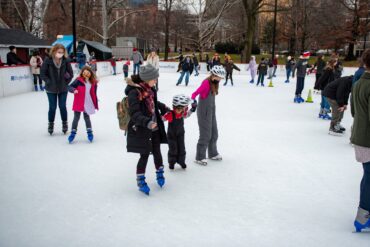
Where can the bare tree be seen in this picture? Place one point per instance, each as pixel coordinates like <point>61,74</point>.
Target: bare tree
<point>167,12</point>
<point>107,7</point>
<point>208,14</point>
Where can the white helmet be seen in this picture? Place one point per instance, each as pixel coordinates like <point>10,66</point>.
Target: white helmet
<point>181,100</point>
<point>219,71</point>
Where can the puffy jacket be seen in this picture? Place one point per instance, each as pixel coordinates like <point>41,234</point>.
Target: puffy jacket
<point>230,66</point>
<point>339,90</point>
<point>320,66</point>
<point>79,99</point>
<point>54,82</point>
<point>262,68</point>
<point>35,63</point>
<point>138,134</point>
<point>136,57</point>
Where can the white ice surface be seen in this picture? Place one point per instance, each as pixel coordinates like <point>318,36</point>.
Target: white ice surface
<point>283,181</point>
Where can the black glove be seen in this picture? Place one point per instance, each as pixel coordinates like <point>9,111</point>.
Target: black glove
<point>194,106</point>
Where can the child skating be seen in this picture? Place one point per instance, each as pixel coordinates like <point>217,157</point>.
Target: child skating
<point>176,130</point>
<point>85,101</point>
<point>261,72</point>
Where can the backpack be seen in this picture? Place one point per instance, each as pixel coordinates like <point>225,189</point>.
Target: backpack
<point>123,114</point>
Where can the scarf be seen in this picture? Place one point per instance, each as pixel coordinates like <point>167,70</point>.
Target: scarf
<point>147,95</point>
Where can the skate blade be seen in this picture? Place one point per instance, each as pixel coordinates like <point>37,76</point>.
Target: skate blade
<point>200,162</point>
<point>335,134</point>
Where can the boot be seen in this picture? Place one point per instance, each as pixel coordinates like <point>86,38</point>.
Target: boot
<point>36,88</point>
<point>42,88</point>
<point>362,220</point>
<point>72,136</point>
<point>183,166</point>
<point>51,128</point>
<point>90,135</point>
<point>65,127</point>
<point>143,186</point>
<point>171,166</point>
<point>160,177</point>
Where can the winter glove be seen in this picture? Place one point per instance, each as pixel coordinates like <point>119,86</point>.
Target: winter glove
<point>168,117</point>
<point>194,106</point>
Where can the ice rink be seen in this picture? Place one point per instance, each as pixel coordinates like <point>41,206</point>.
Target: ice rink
<point>283,181</point>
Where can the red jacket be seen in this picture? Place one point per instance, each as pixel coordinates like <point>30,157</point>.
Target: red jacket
<point>79,99</point>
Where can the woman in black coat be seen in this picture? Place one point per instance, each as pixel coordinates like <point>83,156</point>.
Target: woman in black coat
<point>57,73</point>
<point>146,130</point>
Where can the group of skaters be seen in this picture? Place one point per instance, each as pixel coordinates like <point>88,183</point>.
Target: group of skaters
<point>188,64</point>
<point>147,114</point>
<point>146,130</point>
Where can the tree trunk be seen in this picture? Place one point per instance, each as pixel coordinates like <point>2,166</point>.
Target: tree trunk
<point>104,21</point>
<point>247,52</point>
<point>167,36</point>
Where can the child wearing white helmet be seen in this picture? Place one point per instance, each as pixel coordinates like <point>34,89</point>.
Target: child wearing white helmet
<point>208,132</point>
<point>176,130</point>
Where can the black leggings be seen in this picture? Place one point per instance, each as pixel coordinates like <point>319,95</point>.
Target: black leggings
<point>77,118</point>
<point>156,151</point>
<point>35,76</point>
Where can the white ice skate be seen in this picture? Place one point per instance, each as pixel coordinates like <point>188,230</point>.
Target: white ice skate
<point>202,162</point>
<point>217,157</point>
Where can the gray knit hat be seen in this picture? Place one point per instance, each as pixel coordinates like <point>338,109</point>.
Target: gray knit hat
<point>148,72</point>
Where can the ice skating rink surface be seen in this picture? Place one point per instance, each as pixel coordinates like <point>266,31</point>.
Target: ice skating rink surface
<point>283,181</point>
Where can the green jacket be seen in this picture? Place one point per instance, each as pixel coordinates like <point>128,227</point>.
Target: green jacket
<point>360,109</point>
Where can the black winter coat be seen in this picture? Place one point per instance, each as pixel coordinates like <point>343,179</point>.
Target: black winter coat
<point>339,90</point>
<point>13,59</point>
<point>139,137</point>
<point>327,77</point>
<point>187,66</point>
<point>55,83</point>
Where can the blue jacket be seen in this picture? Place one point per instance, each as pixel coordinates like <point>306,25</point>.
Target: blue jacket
<point>358,74</point>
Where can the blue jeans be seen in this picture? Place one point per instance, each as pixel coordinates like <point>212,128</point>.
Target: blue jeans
<point>365,188</point>
<point>61,99</point>
<point>187,74</point>
<point>324,103</point>
<point>288,72</point>
<point>136,67</point>
<point>114,70</point>
<point>300,85</point>
<point>261,78</point>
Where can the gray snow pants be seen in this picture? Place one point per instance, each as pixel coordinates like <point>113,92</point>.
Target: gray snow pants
<point>208,132</point>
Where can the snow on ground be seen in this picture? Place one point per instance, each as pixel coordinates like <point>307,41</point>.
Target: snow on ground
<point>283,181</point>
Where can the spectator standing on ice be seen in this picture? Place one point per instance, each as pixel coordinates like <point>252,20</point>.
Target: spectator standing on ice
<point>146,130</point>
<point>57,73</point>
<point>36,63</point>
<point>208,132</point>
<point>360,109</point>
<point>252,67</point>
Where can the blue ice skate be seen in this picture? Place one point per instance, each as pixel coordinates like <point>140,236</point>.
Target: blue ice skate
<point>251,81</point>
<point>300,100</point>
<point>143,186</point>
<point>72,136</point>
<point>362,220</point>
<point>296,99</point>
<point>326,116</point>
<point>160,177</point>
<point>90,135</point>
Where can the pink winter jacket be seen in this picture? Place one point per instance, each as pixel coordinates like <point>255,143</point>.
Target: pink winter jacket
<point>203,90</point>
